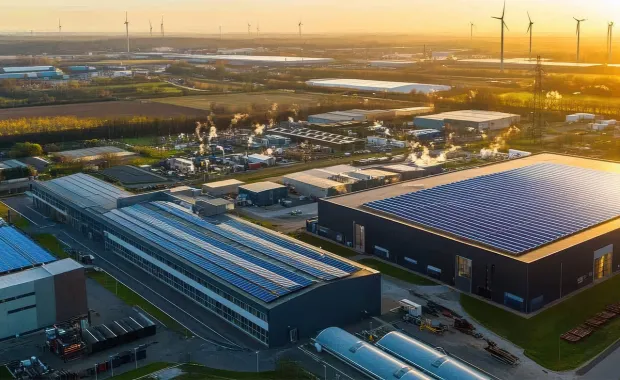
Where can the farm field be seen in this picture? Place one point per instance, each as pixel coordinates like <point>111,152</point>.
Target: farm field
<point>241,102</point>
<point>114,109</point>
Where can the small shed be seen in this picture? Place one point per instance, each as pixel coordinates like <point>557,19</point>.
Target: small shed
<point>212,207</point>
<point>263,193</point>
<point>262,159</point>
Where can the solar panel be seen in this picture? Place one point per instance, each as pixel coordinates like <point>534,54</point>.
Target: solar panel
<point>19,252</point>
<point>227,276</point>
<point>246,256</point>
<point>515,211</point>
<point>305,264</point>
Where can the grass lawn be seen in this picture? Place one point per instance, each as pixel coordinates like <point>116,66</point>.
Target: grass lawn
<point>539,336</point>
<point>396,272</point>
<point>142,371</point>
<point>51,243</point>
<point>4,373</point>
<point>134,299</point>
<point>285,371</point>
<point>334,248</point>
<point>16,219</point>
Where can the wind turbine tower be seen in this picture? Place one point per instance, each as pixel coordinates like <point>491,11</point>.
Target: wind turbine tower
<point>161,27</point>
<point>59,26</point>
<point>249,29</point>
<point>610,29</point>
<point>471,31</point>
<point>300,25</point>
<point>151,28</point>
<point>578,34</point>
<point>127,30</point>
<point>504,26</point>
<point>220,32</point>
<point>529,29</point>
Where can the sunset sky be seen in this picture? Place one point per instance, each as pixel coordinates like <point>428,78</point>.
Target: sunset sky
<point>319,16</point>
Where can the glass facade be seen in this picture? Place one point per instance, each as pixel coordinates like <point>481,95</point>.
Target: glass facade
<point>190,291</point>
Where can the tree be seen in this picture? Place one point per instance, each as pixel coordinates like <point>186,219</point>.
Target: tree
<point>26,150</point>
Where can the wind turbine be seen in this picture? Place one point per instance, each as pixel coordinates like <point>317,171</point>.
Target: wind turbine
<point>578,34</point>
<point>471,31</point>
<point>59,26</point>
<point>220,32</point>
<point>529,29</point>
<point>257,29</point>
<point>300,25</point>
<point>127,30</point>
<point>249,29</point>
<point>503,24</point>
<point>161,27</point>
<point>610,28</point>
<point>151,27</point>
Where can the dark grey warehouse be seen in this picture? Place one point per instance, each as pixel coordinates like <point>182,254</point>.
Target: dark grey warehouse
<point>272,288</point>
<point>522,233</point>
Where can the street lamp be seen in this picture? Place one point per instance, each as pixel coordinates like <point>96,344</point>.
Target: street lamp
<point>257,361</point>
<point>325,371</point>
<point>135,356</point>
<point>95,371</point>
<point>111,366</point>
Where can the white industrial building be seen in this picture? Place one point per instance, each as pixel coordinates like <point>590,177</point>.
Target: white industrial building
<point>378,86</point>
<point>182,164</point>
<point>580,116</point>
<point>391,64</point>
<point>232,59</point>
<point>262,159</point>
<point>312,186</point>
<point>478,119</point>
<point>383,141</point>
<point>366,115</point>
<point>219,188</point>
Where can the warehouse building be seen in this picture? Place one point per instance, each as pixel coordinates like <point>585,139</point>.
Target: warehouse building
<point>479,120</point>
<point>32,73</point>
<point>313,186</point>
<point>268,286</point>
<point>336,142</point>
<point>219,188</point>
<point>92,154</point>
<point>247,60</point>
<point>36,291</point>
<point>378,86</point>
<point>522,233</point>
<point>263,193</point>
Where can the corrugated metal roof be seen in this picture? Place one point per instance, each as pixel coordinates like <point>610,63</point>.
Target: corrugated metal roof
<point>10,164</point>
<point>27,69</point>
<point>85,191</point>
<point>261,186</point>
<point>376,85</point>
<point>470,115</point>
<point>51,269</point>
<point>366,357</point>
<point>228,182</point>
<point>92,152</point>
<point>309,179</point>
<point>428,359</point>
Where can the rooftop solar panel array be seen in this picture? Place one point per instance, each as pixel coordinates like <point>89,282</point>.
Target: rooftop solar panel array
<point>514,211</point>
<point>86,191</point>
<point>19,252</point>
<point>179,232</point>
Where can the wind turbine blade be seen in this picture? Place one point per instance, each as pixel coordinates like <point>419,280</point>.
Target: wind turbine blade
<point>528,29</point>
<point>505,26</point>
<point>497,18</point>
<point>504,10</point>
<point>528,16</point>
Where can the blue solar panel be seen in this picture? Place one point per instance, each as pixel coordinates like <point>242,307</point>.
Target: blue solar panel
<point>514,211</point>
<point>19,252</point>
<point>292,246</point>
<point>305,264</point>
<point>302,281</point>
<point>225,275</point>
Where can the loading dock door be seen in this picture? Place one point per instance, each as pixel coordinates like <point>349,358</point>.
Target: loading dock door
<point>360,237</point>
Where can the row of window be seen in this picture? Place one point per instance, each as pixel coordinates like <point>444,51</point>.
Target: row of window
<point>165,259</point>
<point>21,309</point>
<point>16,297</point>
<point>211,304</point>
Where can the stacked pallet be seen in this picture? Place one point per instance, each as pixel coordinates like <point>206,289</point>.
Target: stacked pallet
<point>598,320</point>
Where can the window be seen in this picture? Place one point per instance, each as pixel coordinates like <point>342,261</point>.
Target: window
<point>382,252</point>
<point>410,260</point>
<point>463,265</point>
<point>293,335</point>
<point>514,302</point>
<point>21,309</point>
<point>602,266</point>
<point>434,272</point>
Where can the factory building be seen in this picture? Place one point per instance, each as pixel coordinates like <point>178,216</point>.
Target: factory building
<point>522,233</point>
<point>262,159</point>
<point>263,193</point>
<point>378,86</point>
<point>313,186</point>
<point>246,60</point>
<point>219,188</point>
<point>391,64</point>
<point>338,143</point>
<point>269,141</point>
<point>36,291</point>
<point>32,73</point>
<point>465,119</point>
<point>272,288</point>
<point>92,154</point>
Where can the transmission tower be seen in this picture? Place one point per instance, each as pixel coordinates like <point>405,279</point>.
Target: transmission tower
<point>538,122</point>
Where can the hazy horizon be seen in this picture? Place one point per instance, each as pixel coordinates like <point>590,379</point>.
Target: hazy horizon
<point>424,17</point>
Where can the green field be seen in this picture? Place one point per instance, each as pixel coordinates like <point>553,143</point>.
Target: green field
<point>334,248</point>
<point>285,371</point>
<point>4,373</point>
<point>51,243</point>
<point>16,219</point>
<point>539,336</point>
<point>134,299</point>
<point>396,272</point>
<point>242,102</point>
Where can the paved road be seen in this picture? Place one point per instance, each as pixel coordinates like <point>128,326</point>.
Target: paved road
<point>606,369</point>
